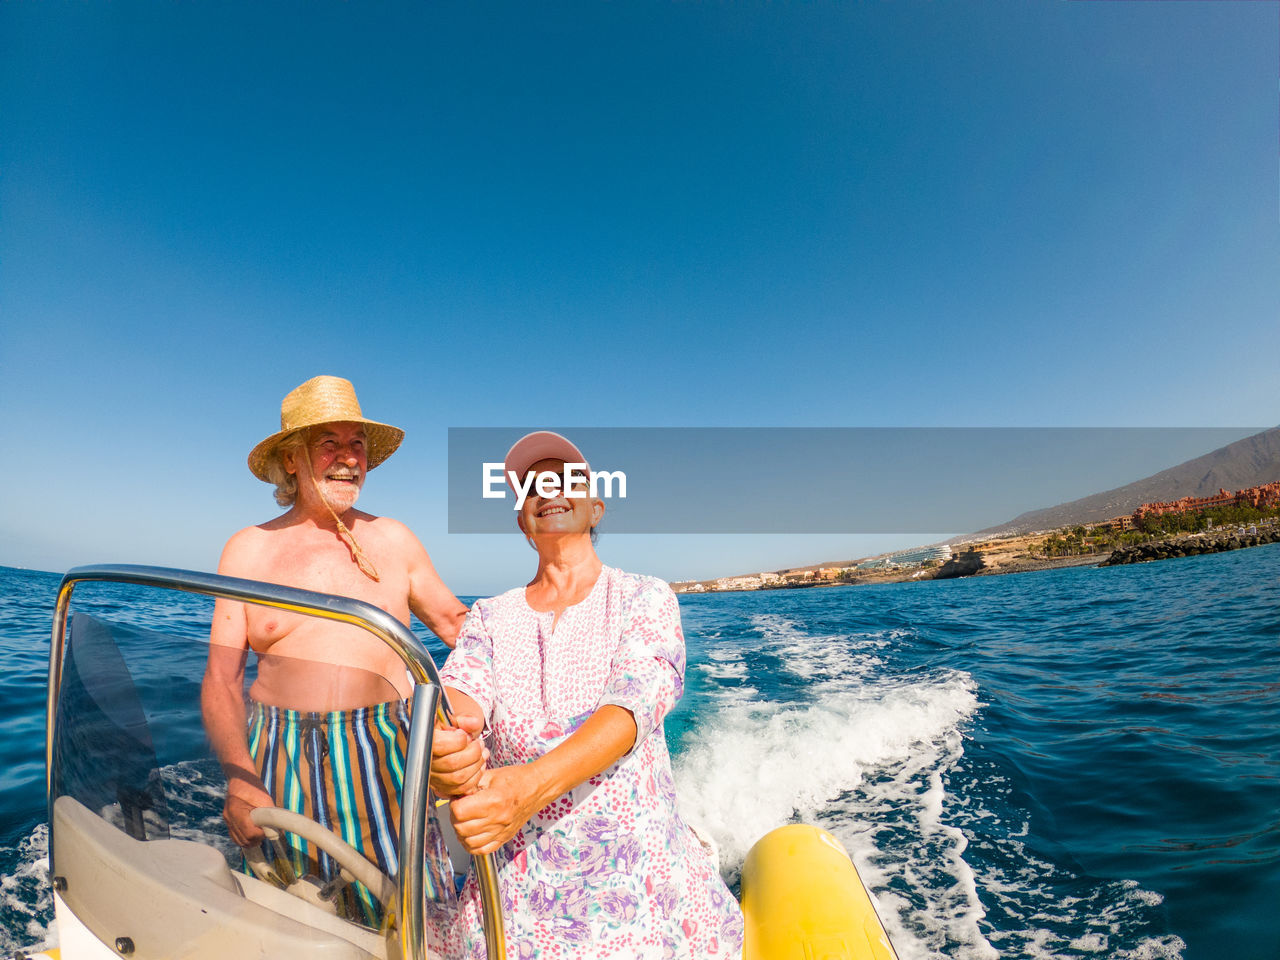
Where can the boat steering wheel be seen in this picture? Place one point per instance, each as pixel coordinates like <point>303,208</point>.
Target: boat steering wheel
<point>353,864</point>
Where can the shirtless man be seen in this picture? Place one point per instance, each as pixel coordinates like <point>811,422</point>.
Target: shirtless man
<point>321,687</point>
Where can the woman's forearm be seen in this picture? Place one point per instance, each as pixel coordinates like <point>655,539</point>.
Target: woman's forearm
<point>509,796</point>
<point>602,740</point>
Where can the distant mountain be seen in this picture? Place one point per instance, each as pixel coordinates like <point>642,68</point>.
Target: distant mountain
<point>1245,463</point>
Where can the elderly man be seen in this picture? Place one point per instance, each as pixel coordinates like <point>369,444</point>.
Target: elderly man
<point>326,720</point>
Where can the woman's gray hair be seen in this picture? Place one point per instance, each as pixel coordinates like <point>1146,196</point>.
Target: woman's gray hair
<point>286,482</point>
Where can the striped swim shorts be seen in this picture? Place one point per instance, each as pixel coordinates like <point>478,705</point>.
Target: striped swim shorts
<point>345,770</point>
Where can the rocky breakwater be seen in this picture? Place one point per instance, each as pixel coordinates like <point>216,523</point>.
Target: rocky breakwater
<point>961,565</point>
<point>1189,547</point>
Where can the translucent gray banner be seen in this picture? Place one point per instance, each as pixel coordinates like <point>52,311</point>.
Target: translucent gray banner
<point>862,479</point>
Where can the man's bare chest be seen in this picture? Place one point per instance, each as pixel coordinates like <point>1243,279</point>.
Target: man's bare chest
<point>324,568</point>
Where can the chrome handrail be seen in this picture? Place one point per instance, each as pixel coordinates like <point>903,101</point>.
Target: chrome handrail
<point>413,809</point>
<point>330,607</point>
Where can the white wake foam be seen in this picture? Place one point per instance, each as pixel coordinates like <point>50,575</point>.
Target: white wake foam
<point>800,759</point>
<point>870,756</point>
<point>723,664</point>
<point>25,897</point>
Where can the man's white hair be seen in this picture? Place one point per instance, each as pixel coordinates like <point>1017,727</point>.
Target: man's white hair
<point>286,482</point>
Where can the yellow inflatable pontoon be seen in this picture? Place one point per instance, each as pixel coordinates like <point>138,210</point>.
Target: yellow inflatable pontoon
<point>802,899</point>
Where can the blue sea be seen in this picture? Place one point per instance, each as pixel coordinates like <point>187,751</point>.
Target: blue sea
<point>1072,763</point>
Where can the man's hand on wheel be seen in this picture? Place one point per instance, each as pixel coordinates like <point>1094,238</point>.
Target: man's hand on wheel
<point>242,797</point>
<point>457,757</point>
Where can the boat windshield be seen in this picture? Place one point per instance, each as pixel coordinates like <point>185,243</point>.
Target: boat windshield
<point>153,727</point>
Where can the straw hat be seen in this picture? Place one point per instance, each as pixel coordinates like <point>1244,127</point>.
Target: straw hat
<point>326,400</point>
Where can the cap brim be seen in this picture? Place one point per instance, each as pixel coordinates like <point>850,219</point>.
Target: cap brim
<point>539,445</point>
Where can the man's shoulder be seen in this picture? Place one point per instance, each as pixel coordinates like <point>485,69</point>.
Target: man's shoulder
<point>246,545</point>
<point>253,534</point>
<point>390,534</point>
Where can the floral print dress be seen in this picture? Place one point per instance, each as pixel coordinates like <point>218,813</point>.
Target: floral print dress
<point>609,869</point>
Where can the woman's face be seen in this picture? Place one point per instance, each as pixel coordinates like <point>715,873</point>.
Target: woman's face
<point>550,512</point>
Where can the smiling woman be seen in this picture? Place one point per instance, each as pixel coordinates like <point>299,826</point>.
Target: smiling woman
<point>572,676</point>
<point>561,504</point>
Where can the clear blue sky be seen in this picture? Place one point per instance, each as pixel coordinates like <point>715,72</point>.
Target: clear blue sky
<point>701,214</point>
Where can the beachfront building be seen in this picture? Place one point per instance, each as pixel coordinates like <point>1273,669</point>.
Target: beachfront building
<point>1119,524</point>
<point>910,558</point>
<point>752,582</point>
<point>1264,495</point>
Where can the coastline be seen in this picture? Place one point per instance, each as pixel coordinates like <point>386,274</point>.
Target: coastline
<point>868,578</point>
<point>992,558</point>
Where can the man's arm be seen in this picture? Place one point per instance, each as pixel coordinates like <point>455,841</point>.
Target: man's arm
<point>430,600</point>
<point>222,705</point>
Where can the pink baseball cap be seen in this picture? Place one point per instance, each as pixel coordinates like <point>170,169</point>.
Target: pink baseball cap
<point>539,445</point>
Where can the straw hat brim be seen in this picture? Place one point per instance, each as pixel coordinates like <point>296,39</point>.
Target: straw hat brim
<point>381,441</point>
